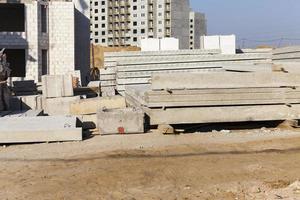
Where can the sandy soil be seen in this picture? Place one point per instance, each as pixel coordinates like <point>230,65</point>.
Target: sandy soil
<point>237,165</point>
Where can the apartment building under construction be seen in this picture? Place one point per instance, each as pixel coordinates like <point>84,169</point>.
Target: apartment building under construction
<point>126,22</point>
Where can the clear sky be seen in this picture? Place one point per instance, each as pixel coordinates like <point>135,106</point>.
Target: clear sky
<point>255,22</point>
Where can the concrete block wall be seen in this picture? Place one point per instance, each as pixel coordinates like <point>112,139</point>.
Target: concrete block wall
<point>61,37</point>
<point>60,34</point>
<point>32,52</point>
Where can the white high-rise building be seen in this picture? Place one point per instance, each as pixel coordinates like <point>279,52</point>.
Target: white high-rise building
<point>126,22</point>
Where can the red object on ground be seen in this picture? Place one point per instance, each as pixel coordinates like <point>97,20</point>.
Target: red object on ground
<point>121,130</point>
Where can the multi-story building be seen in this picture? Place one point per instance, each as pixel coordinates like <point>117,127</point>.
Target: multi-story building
<point>45,37</point>
<point>197,28</point>
<point>126,22</point>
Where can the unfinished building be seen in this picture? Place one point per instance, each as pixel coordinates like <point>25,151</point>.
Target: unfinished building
<point>127,22</point>
<point>40,38</point>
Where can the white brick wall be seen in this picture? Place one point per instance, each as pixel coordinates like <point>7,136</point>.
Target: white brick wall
<point>59,41</point>
<point>61,37</point>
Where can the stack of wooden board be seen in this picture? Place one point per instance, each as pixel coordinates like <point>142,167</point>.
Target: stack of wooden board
<point>218,97</point>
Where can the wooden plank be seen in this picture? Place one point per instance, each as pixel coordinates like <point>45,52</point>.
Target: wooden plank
<point>224,80</point>
<point>223,114</point>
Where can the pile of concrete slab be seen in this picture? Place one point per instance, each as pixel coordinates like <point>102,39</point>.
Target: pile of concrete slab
<point>136,68</point>
<point>287,54</point>
<point>188,98</point>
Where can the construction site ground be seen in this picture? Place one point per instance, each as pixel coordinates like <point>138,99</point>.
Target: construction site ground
<point>240,164</point>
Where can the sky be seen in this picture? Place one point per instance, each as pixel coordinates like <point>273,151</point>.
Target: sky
<point>254,22</point>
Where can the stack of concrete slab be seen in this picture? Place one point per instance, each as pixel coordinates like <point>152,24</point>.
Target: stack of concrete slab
<point>287,54</point>
<point>58,94</point>
<point>108,78</point>
<point>136,68</point>
<point>39,129</point>
<point>218,97</point>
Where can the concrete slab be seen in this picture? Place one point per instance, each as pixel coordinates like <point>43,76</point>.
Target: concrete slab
<point>223,114</point>
<point>59,106</point>
<point>39,129</point>
<point>57,86</point>
<point>224,80</point>
<point>120,121</point>
<point>92,105</point>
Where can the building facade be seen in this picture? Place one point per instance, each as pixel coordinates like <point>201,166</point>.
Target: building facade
<point>40,38</point>
<point>197,27</point>
<point>126,22</point>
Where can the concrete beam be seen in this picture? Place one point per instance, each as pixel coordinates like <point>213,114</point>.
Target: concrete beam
<point>91,106</point>
<point>224,80</point>
<point>223,114</point>
<point>39,129</point>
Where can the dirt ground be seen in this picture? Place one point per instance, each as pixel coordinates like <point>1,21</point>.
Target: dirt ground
<point>259,164</point>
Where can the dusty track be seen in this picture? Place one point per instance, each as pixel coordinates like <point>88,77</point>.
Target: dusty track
<point>256,169</point>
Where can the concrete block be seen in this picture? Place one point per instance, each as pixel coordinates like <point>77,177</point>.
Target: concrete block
<point>150,44</point>
<point>108,91</point>
<point>31,102</point>
<point>57,86</point>
<point>120,121</point>
<point>169,44</point>
<point>39,129</point>
<point>228,44</point>
<point>210,42</point>
<point>92,105</point>
<point>59,106</point>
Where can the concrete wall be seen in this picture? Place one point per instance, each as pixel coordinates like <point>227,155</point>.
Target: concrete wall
<point>180,11</point>
<point>61,38</point>
<point>58,40</point>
